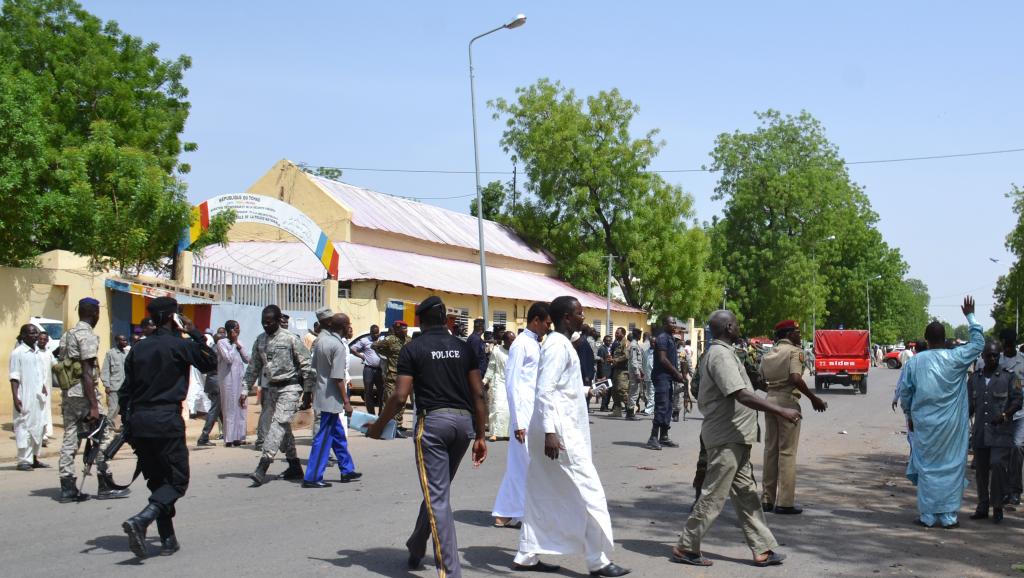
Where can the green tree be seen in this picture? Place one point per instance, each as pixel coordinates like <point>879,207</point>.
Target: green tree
<point>1008,292</point>
<point>797,236</point>
<point>589,194</point>
<point>493,196</point>
<point>22,142</point>
<point>961,332</point>
<point>104,129</point>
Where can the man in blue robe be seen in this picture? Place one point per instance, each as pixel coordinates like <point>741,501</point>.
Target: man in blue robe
<point>934,398</point>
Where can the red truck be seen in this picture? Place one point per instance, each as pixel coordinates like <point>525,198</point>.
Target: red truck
<point>841,357</point>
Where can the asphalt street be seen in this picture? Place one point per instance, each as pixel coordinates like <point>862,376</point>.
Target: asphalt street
<point>857,522</point>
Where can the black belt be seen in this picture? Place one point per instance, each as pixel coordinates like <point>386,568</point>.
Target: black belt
<point>451,410</point>
<point>284,383</point>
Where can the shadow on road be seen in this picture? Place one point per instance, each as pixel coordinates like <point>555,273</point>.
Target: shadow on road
<point>382,561</point>
<point>474,517</point>
<point>53,493</point>
<point>119,545</point>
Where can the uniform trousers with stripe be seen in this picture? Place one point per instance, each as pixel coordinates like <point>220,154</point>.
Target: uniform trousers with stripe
<point>330,436</point>
<point>441,441</point>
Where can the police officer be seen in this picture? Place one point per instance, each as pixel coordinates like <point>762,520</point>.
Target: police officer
<point>80,406</point>
<point>993,395</point>
<point>444,374</point>
<point>156,383</point>
<point>290,387</point>
<point>782,370</point>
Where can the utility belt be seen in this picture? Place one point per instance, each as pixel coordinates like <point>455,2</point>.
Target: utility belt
<point>283,383</point>
<point>450,410</point>
<point>783,388</point>
<point>156,406</point>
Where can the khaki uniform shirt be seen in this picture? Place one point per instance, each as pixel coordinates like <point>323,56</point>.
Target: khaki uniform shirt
<point>777,365</point>
<point>81,343</point>
<point>283,358</point>
<point>726,421</point>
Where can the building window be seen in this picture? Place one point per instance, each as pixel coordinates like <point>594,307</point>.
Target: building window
<point>598,326</point>
<point>632,326</point>
<point>499,318</point>
<point>344,290</point>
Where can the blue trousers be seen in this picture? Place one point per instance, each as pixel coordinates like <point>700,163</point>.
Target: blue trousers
<point>330,436</point>
<point>663,401</point>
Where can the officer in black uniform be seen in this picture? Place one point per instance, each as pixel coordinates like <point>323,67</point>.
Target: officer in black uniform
<point>156,383</point>
<point>444,374</point>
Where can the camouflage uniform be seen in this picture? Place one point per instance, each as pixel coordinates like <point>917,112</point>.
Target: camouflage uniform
<point>289,372</point>
<point>388,349</point>
<point>620,376</point>
<point>80,343</point>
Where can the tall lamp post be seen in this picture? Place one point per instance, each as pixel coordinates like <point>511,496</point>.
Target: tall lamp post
<point>516,23</point>
<point>814,306</point>
<point>867,289</point>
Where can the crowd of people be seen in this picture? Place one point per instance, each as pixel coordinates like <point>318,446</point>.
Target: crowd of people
<point>535,388</point>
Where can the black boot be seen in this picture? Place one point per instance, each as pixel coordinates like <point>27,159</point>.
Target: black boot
<point>108,490</point>
<point>652,444</point>
<point>168,541</point>
<point>294,471</point>
<point>259,477</point>
<point>665,441</point>
<point>136,526</point>
<point>675,415</point>
<point>204,440</point>
<point>631,415</point>
<point>69,491</point>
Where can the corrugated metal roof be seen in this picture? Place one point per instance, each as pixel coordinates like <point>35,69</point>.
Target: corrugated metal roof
<point>362,262</point>
<point>373,210</point>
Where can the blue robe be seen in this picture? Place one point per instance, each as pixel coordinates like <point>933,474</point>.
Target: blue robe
<point>934,395</point>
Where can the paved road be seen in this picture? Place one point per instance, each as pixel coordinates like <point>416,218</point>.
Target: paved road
<point>857,520</point>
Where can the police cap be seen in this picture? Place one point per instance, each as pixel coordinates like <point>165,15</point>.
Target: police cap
<point>163,305</point>
<point>428,304</point>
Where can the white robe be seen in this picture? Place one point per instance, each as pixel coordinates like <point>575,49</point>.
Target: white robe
<point>497,400</point>
<point>566,509</point>
<point>520,385</point>
<point>48,363</point>
<point>27,367</point>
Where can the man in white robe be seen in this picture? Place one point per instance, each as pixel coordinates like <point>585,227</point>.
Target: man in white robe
<point>520,385</point>
<point>494,380</point>
<point>48,362</point>
<point>29,390</point>
<point>566,510</point>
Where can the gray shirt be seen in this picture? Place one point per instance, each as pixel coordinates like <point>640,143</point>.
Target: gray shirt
<point>365,346</point>
<point>1014,365</point>
<point>112,374</point>
<point>330,362</point>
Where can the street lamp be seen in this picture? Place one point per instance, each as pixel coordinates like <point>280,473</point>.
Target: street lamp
<point>867,288</point>
<point>516,23</point>
<point>814,305</point>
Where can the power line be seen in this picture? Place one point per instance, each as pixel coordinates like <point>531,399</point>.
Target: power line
<point>694,170</point>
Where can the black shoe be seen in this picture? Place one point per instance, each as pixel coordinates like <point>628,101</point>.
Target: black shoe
<point>652,444</point>
<point>980,514</point>
<point>24,467</point>
<point>136,526</point>
<point>538,567</point>
<point>631,415</point>
<point>997,516</point>
<point>320,484</point>
<point>69,491</point>
<point>350,477</point>
<point>108,490</point>
<point>36,464</point>
<point>414,562</point>
<point>294,471</point>
<point>767,507</point>
<point>611,570</point>
<point>169,545</point>
<point>259,477</point>
<point>204,441</point>
<point>788,510</point>
<point>667,443</point>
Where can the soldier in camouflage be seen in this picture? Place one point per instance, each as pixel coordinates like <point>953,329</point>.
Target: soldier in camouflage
<point>620,372</point>
<point>290,387</point>
<point>388,349</point>
<point>80,406</point>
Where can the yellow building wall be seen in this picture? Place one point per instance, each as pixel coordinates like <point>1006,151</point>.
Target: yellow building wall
<point>51,290</point>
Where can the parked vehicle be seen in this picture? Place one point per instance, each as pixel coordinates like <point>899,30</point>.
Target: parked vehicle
<point>892,360</point>
<point>841,357</point>
<point>53,327</point>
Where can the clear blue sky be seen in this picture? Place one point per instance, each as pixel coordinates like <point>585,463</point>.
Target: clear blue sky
<point>385,84</point>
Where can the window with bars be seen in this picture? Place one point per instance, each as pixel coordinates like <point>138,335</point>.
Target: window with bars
<point>632,326</point>
<point>499,318</point>
<point>599,326</point>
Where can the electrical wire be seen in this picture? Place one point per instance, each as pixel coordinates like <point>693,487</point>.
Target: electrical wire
<point>695,170</point>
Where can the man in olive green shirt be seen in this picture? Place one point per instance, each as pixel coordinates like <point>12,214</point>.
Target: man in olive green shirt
<point>728,403</point>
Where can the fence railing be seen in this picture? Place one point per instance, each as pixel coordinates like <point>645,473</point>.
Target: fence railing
<point>259,291</point>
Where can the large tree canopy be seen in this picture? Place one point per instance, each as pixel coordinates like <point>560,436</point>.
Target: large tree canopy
<point>90,123</point>
<point>590,195</point>
<point>1009,287</point>
<point>798,237</point>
